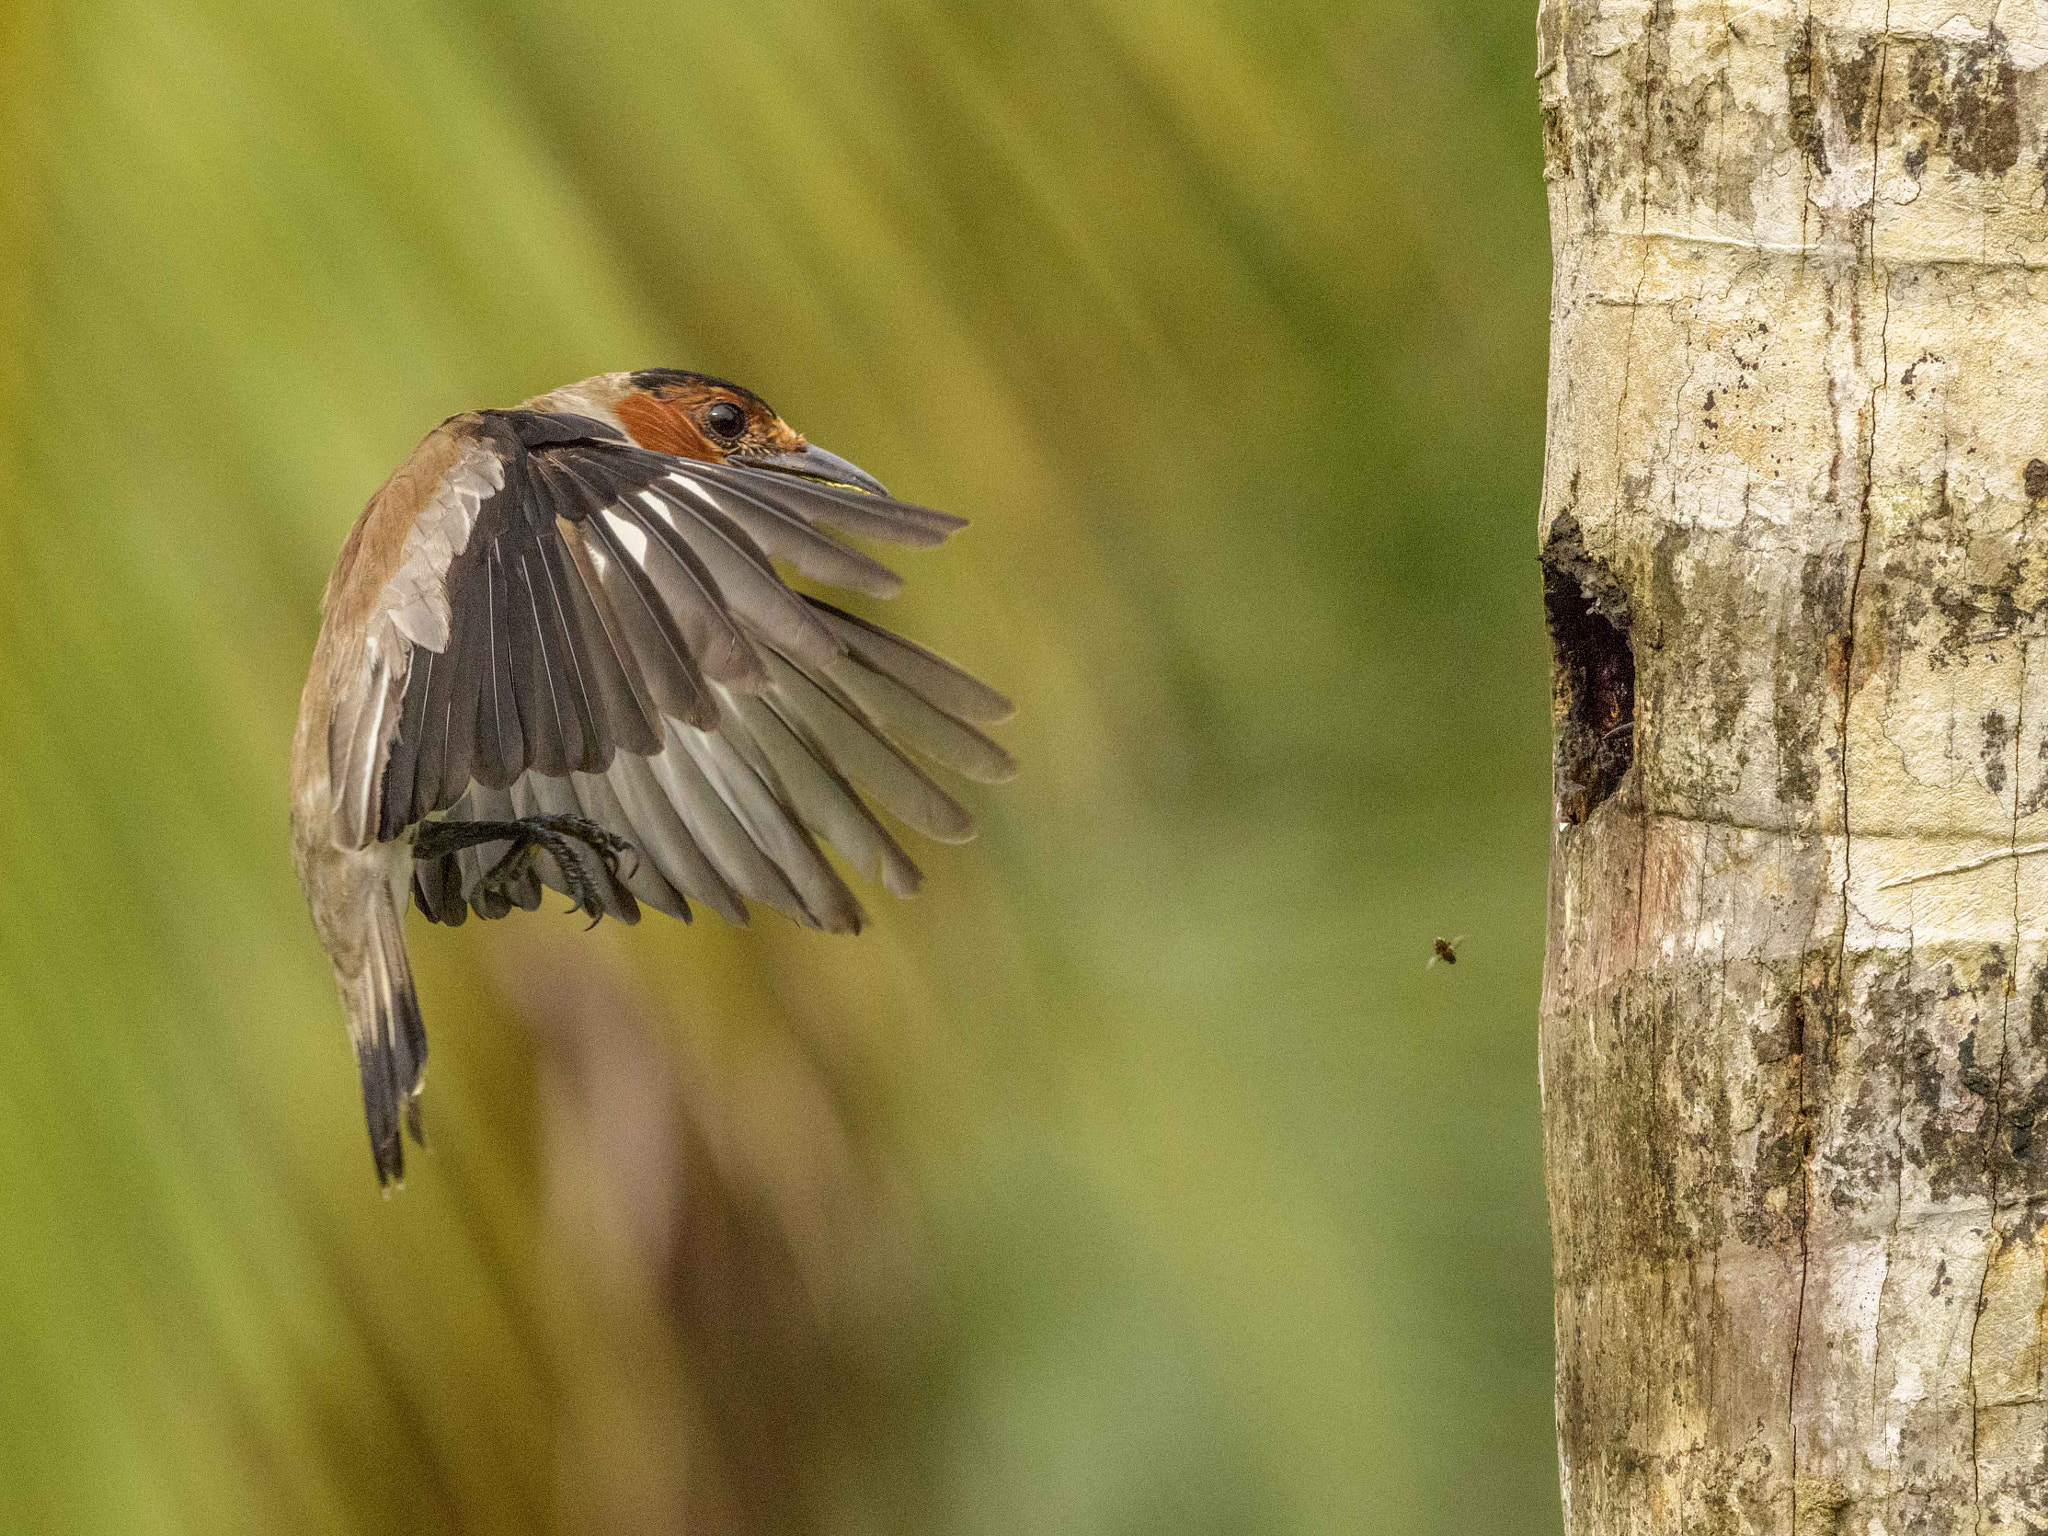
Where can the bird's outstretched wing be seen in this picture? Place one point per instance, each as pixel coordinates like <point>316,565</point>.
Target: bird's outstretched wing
<point>579,625</point>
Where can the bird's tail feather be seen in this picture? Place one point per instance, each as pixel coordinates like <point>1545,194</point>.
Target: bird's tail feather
<point>391,1042</point>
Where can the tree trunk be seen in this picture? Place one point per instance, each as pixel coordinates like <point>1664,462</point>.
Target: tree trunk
<point>1795,1011</point>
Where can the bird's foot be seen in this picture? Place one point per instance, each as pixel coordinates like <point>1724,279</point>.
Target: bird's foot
<point>570,840</point>
<point>573,842</point>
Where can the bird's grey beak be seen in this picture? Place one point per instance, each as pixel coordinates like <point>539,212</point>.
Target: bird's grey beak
<point>814,464</point>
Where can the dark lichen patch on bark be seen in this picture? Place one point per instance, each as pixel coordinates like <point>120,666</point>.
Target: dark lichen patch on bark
<point>1795,717</point>
<point>1975,614</point>
<point>1824,606</point>
<point>1593,673</point>
<point>1997,742</point>
<point>1968,93</point>
<point>1607,131</point>
<point>1774,1039</point>
<point>1773,1203</point>
<point>1852,81</point>
<point>1951,1021</point>
<point>1713,147</point>
<point>1773,1190</point>
<point>1945,1152</point>
<point>1799,79</point>
<point>2020,1158</point>
<point>1722,694</point>
<point>1624,1175</point>
<point>1557,143</point>
<point>1859,1098</point>
<point>1830,86</point>
<point>1958,610</point>
<point>2033,799</point>
<point>1811,661</point>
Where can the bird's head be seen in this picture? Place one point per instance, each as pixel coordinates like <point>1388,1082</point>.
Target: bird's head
<point>694,416</point>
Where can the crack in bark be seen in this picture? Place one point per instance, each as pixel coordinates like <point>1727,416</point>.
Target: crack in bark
<point>1964,866</point>
<point>1628,348</point>
<point>1806,160</point>
<point>1994,1239</point>
<point>1931,261</point>
<point>1844,1001</point>
<point>1891,1471</point>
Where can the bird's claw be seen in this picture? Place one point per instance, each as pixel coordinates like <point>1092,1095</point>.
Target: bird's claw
<point>558,836</point>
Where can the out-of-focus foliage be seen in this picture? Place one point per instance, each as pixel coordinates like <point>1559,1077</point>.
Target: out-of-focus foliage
<point>1136,1178</point>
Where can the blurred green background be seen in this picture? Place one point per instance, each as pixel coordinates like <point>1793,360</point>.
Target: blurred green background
<point>1136,1178</point>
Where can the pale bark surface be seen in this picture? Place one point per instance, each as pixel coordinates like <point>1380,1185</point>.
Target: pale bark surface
<point>1795,1014</point>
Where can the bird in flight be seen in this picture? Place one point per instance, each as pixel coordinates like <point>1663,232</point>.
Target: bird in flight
<point>557,649</point>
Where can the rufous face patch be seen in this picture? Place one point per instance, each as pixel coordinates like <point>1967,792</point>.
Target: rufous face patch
<point>663,423</point>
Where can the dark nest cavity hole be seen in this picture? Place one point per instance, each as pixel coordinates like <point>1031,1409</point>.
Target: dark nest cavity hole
<point>1593,673</point>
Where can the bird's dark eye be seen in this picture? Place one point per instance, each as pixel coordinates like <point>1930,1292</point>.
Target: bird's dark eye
<point>725,419</point>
